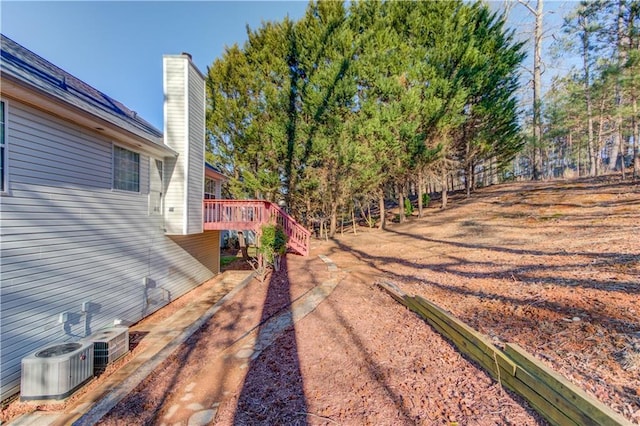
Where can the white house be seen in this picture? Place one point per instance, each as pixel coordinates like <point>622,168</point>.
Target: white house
<point>101,214</point>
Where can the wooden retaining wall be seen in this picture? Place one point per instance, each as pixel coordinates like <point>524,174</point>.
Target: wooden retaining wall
<point>554,397</point>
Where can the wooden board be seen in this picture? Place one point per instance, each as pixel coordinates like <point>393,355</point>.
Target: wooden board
<point>550,394</point>
<point>491,358</point>
<point>587,409</point>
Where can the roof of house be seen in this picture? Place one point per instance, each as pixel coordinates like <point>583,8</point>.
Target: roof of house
<point>31,70</point>
<point>210,169</point>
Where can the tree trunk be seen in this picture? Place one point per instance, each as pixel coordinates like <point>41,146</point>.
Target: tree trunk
<point>599,143</point>
<point>400,196</point>
<point>615,148</point>
<point>472,169</point>
<point>368,218</point>
<point>621,151</point>
<point>353,221</point>
<point>534,162</point>
<point>383,219</point>
<point>307,216</point>
<point>623,42</point>
<point>292,123</point>
<point>636,153</point>
<point>537,84</point>
<point>468,181</point>
<point>587,92</point>
<point>333,224</point>
<point>633,44</point>
<point>494,172</point>
<point>591,145</point>
<point>536,151</point>
<point>579,154</point>
<point>420,192</point>
<point>570,141</point>
<point>444,189</point>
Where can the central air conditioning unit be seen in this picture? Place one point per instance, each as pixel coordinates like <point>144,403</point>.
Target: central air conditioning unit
<point>109,345</point>
<point>56,371</point>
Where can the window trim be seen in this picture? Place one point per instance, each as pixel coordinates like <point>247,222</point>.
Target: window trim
<point>210,195</point>
<point>4,183</point>
<point>113,169</point>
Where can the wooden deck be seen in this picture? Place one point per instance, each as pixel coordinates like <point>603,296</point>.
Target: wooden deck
<point>243,215</point>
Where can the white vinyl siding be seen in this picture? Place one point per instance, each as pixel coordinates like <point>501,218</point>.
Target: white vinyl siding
<point>156,186</point>
<point>175,137</point>
<point>196,123</point>
<point>4,181</point>
<point>68,238</point>
<point>184,132</point>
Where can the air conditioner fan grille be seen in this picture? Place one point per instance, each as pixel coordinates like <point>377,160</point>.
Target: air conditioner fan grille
<point>58,350</point>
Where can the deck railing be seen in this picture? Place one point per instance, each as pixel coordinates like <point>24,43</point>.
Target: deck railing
<point>251,215</point>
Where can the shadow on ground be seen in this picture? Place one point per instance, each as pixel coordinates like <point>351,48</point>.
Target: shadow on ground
<point>273,392</point>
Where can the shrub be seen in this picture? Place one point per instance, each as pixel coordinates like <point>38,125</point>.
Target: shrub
<point>408,207</point>
<point>426,199</point>
<point>273,244</point>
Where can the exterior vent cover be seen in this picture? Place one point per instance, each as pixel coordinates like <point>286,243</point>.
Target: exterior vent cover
<point>109,344</point>
<point>56,371</point>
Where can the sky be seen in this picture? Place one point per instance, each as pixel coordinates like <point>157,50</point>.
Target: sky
<point>522,21</point>
<point>117,46</point>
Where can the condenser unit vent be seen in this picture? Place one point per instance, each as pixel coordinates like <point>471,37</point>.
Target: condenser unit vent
<point>109,344</point>
<point>56,371</point>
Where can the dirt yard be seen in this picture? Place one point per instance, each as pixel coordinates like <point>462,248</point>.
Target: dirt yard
<point>554,267</point>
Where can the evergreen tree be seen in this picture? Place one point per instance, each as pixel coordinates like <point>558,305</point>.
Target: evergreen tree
<point>349,104</point>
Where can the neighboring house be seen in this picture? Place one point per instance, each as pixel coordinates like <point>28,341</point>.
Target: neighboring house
<point>101,213</point>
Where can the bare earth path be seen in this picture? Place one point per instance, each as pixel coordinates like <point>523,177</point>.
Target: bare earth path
<point>554,267</point>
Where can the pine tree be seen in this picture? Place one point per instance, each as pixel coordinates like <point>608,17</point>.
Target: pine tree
<point>351,104</point>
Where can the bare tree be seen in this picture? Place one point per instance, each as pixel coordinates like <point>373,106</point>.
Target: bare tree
<point>621,41</point>
<point>537,85</point>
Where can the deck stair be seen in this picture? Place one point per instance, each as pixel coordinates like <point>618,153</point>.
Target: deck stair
<point>244,215</point>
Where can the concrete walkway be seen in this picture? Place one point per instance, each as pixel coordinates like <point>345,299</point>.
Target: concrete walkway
<point>165,337</point>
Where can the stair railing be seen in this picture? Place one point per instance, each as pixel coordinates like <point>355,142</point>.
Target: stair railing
<point>252,214</point>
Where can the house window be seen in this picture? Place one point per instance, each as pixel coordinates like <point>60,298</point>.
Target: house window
<point>3,147</point>
<point>209,188</point>
<point>126,169</point>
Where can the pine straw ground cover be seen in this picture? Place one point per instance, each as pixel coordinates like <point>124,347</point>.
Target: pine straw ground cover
<point>358,358</point>
<point>554,267</point>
